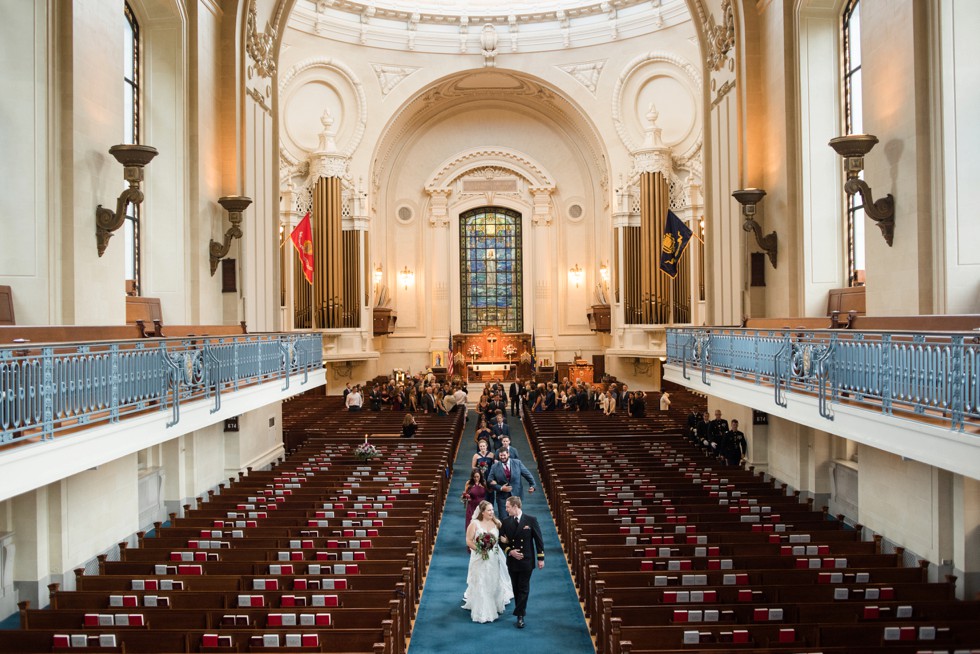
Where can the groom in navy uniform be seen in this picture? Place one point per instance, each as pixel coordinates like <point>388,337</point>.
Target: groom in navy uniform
<point>520,536</point>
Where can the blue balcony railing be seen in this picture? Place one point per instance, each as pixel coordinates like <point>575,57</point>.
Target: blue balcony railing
<point>919,375</point>
<point>51,389</point>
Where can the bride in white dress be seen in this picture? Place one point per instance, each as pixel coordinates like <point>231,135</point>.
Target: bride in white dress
<point>488,587</point>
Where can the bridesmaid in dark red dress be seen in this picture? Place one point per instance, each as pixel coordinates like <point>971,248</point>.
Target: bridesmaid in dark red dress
<point>474,493</point>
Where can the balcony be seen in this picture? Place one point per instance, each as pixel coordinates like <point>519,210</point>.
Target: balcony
<point>82,404</point>
<point>913,393</point>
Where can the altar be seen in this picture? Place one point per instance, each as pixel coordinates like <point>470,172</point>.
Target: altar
<point>492,355</point>
<point>491,371</point>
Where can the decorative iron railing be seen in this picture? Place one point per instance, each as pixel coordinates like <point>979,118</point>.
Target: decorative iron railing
<point>51,389</point>
<point>931,376</point>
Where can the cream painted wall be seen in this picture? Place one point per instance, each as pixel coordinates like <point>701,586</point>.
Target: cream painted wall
<point>257,443</point>
<point>897,110</point>
<point>821,236</point>
<point>959,275</point>
<point>90,116</point>
<point>899,498</point>
<point>105,497</point>
<point>25,141</point>
<point>786,452</point>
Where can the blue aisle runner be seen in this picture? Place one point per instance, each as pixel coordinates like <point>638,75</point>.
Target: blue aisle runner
<point>554,617</point>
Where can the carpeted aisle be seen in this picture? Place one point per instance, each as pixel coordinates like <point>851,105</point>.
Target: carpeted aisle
<point>554,617</point>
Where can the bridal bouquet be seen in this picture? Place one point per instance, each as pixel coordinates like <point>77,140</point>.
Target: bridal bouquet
<point>485,543</point>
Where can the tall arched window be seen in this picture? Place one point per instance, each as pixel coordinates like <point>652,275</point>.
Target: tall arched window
<point>131,134</point>
<point>853,124</point>
<point>490,270</point>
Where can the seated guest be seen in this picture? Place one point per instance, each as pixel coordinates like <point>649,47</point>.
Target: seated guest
<point>409,426</point>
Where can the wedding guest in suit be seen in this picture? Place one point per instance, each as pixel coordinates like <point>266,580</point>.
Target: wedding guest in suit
<point>500,428</point>
<point>505,445</point>
<point>523,544</point>
<point>514,393</point>
<point>429,400</point>
<point>507,478</point>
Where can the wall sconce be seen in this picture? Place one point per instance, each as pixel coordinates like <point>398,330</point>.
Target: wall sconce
<point>604,273</point>
<point>133,158</point>
<point>748,198</point>
<point>853,147</point>
<point>234,205</point>
<point>377,275</point>
<point>406,277</point>
<point>576,275</point>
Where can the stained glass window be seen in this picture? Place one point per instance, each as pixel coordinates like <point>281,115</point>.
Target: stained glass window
<point>490,270</point>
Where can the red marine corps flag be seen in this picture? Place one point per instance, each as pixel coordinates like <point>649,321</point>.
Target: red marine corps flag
<point>302,238</point>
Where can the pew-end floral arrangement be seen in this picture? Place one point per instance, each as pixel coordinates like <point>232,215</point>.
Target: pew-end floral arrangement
<point>366,451</point>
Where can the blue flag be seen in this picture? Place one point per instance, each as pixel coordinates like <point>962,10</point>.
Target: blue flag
<point>676,237</point>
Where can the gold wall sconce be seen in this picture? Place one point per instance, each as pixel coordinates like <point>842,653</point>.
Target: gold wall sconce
<point>377,275</point>
<point>852,148</point>
<point>576,275</point>
<point>749,198</point>
<point>604,273</point>
<point>235,205</point>
<point>406,277</point>
<point>133,158</point>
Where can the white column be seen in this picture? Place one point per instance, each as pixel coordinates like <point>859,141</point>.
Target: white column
<point>544,274</point>
<point>443,320</point>
<point>288,219</point>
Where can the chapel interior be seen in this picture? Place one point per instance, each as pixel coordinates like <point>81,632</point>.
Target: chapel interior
<point>373,189</point>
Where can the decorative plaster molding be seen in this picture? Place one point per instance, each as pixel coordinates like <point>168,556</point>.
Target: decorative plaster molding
<point>691,77</point>
<point>722,92</point>
<point>652,161</point>
<point>390,76</point>
<point>259,100</point>
<point>587,73</point>
<point>350,77</point>
<point>438,206</point>
<point>543,215</point>
<point>501,158</point>
<point>260,45</point>
<point>328,165</point>
<point>720,38</point>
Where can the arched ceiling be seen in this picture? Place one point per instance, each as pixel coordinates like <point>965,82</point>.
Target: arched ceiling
<point>458,25</point>
<point>481,86</point>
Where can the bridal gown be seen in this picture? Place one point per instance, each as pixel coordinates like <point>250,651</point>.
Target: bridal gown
<point>488,587</point>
